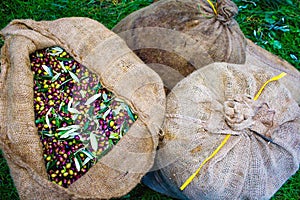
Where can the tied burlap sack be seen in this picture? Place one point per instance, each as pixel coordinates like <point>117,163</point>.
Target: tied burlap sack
<point>216,102</point>
<point>119,69</point>
<point>258,56</point>
<point>175,37</point>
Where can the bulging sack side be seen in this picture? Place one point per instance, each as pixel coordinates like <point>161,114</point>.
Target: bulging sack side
<point>175,37</point>
<point>231,132</point>
<point>119,69</point>
<point>258,56</point>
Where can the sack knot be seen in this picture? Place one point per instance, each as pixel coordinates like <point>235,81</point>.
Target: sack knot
<point>239,113</point>
<point>243,112</point>
<point>226,10</point>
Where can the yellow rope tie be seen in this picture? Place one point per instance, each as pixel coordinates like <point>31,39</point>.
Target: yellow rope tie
<point>213,7</point>
<point>190,179</point>
<point>275,78</point>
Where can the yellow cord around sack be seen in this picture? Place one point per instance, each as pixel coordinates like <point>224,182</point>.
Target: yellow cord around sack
<point>190,179</point>
<point>275,78</point>
<point>213,7</point>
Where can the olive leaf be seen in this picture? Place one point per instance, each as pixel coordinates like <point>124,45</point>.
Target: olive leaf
<point>87,153</point>
<point>94,141</point>
<point>54,51</point>
<point>76,104</point>
<point>70,103</point>
<point>73,110</point>
<point>47,117</point>
<point>91,112</point>
<point>69,127</point>
<point>92,99</point>
<point>67,134</point>
<point>103,109</point>
<point>114,136</point>
<point>97,87</point>
<point>55,77</point>
<point>48,134</point>
<point>86,125</point>
<point>122,128</point>
<point>57,121</point>
<point>83,93</point>
<point>118,99</point>
<point>117,110</point>
<point>97,123</point>
<point>40,120</point>
<point>50,164</point>
<point>48,70</point>
<point>74,77</point>
<point>130,113</point>
<point>106,113</point>
<point>110,142</point>
<point>74,117</point>
<point>60,105</point>
<point>86,161</point>
<point>77,163</point>
<point>63,66</point>
<point>104,96</point>
<point>69,131</point>
<point>64,59</point>
<point>65,82</point>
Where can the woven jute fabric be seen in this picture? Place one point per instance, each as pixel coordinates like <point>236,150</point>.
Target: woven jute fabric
<point>119,70</point>
<point>260,57</point>
<point>262,152</point>
<point>175,37</point>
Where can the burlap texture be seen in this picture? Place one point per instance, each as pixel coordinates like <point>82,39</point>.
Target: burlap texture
<point>218,100</point>
<point>119,69</point>
<point>184,35</point>
<point>260,57</point>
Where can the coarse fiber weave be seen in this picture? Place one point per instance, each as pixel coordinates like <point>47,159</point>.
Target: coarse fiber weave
<point>255,55</point>
<point>119,70</point>
<point>263,149</point>
<point>175,37</point>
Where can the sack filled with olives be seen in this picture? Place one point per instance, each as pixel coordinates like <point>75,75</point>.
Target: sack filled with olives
<point>79,111</point>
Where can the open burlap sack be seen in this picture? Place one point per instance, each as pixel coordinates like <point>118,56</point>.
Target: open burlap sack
<point>260,57</point>
<point>218,102</point>
<point>175,37</point>
<point>119,69</point>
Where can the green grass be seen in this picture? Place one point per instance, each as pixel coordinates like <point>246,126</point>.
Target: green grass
<point>7,188</point>
<point>272,24</point>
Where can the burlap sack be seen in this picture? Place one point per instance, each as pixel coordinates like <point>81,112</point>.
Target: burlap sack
<point>174,36</point>
<point>260,57</point>
<point>119,69</point>
<point>263,149</point>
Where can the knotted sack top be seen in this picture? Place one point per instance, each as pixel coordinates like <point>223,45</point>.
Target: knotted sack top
<point>241,128</point>
<point>119,70</point>
<point>184,35</point>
